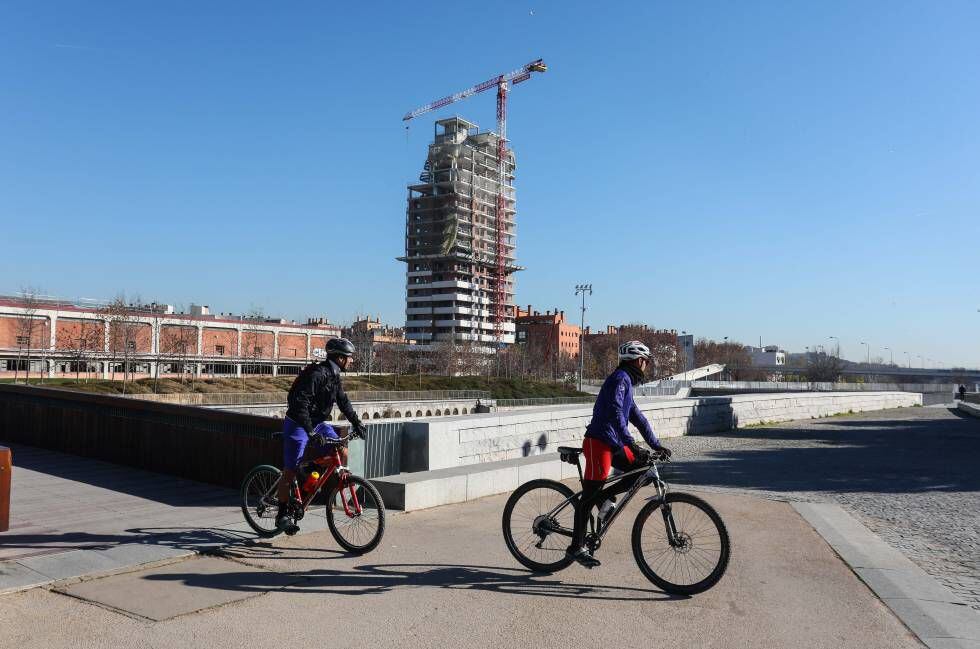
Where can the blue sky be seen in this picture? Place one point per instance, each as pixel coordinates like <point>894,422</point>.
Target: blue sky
<point>785,170</point>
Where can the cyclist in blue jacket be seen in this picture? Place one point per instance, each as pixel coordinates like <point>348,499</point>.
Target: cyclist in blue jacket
<point>608,443</point>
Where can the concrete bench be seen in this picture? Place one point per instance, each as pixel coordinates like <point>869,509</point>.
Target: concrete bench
<point>423,489</point>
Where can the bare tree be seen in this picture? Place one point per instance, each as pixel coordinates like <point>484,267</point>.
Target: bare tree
<point>127,334</point>
<point>81,342</point>
<point>174,345</point>
<point>823,367</point>
<point>29,329</point>
<point>252,350</point>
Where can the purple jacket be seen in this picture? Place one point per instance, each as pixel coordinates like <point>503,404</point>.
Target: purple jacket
<point>613,412</point>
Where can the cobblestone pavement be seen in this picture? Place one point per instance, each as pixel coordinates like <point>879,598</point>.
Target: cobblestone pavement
<point>910,475</point>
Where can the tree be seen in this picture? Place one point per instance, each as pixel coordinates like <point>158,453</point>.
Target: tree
<point>734,356</point>
<point>29,329</point>
<point>176,341</point>
<point>252,332</point>
<point>822,367</point>
<point>82,341</point>
<point>127,334</point>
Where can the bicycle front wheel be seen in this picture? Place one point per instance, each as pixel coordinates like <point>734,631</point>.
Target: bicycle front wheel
<point>695,559</point>
<point>529,530</point>
<point>260,502</point>
<point>356,515</point>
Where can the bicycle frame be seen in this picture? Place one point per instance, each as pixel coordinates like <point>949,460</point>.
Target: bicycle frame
<point>333,465</point>
<point>651,476</point>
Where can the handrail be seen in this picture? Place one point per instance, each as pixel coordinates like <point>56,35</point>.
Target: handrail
<point>6,468</point>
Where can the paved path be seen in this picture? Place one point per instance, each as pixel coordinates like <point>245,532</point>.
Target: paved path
<point>910,475</point>
<point>443,578</point>
<point>74,516</point>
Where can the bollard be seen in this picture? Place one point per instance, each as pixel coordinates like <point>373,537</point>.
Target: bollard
<point>6,468</point>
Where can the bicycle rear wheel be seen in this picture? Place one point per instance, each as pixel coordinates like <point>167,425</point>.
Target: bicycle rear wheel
<point>527,526</point>
<point>700,554</point>
<point>356,532</point>
<point>260,502</point>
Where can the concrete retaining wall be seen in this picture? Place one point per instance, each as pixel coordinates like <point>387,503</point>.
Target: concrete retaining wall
<point>968,408</point>
<point>460,441</point>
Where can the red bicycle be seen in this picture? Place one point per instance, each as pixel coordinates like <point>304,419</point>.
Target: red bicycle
<point>352,505</point>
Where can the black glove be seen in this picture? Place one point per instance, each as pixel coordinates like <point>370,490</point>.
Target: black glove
<point>358,431</point>
<point>316,438</point>
<point>640,454</point>
<point>664,452</point>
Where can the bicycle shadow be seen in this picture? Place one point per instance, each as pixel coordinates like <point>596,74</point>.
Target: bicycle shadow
<point>375,579</point>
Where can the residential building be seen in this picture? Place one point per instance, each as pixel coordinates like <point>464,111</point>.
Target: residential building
<point>548,332</point>
<point>453,281</point>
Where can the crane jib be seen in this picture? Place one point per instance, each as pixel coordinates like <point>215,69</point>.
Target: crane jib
<point>517,76</point>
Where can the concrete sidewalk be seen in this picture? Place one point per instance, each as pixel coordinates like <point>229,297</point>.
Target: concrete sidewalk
<point>73,517</point>
<point>442,577</point>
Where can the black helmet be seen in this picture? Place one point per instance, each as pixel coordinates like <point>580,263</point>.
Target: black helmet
<point>340,347</point>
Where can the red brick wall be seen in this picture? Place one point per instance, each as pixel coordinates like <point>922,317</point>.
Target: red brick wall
<point>12,326</point>
<point>74,334</point>
<point>172,336</point>
<point>292,346</point>
<point>138,333</point>
<point>318,341</point>
<point>214,337</point>
<point>257,344</point>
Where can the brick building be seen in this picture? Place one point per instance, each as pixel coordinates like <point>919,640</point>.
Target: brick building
<point>60,337</point>
<point>372,339</point>
<point>547,331</point>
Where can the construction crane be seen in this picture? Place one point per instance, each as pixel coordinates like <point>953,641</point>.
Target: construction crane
<point>501,83</point>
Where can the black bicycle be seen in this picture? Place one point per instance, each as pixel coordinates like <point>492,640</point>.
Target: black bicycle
<point>687,554</point>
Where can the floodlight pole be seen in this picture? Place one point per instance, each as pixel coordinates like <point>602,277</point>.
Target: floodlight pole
<point>583,289</point>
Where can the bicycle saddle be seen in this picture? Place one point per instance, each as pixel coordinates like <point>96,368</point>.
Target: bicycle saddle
<point>569,454</point>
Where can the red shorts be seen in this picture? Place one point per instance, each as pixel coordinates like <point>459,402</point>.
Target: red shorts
<point>598,458</point>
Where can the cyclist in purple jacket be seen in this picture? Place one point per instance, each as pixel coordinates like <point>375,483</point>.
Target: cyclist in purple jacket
<point>608,443</point>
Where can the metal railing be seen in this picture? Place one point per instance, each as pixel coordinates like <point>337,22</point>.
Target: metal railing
<point>543,401</point>
<point>356,396</point>
<point>806,386</point>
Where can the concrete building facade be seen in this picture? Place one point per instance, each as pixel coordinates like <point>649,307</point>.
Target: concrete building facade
<point>59,337</point>
<point>451,240</point>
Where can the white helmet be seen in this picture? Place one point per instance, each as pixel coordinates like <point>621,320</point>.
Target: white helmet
<point>632,350</point>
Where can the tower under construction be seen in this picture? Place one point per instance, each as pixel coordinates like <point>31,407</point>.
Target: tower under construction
<point>460,264</point>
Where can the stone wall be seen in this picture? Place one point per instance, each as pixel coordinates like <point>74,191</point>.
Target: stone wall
<point>457,441</point>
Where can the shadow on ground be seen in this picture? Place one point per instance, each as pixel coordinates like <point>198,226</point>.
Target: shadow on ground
<point>909,455</point>
<point>373,579</point>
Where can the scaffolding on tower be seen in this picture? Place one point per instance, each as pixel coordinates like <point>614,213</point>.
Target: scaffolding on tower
<point>500,223</point>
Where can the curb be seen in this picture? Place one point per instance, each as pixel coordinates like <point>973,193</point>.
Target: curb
<point>930,610</point>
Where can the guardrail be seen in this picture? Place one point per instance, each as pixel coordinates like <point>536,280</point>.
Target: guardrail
<point>543,401</point>
<point>256,398</point>
<point>807,386</point>
<point>6,467</point>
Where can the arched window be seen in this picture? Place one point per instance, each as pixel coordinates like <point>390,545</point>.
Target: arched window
<point>418,413</point>
<point>455,411</point>
<point>428,413</point>
<point>464,411</point>
<point>376,416</point>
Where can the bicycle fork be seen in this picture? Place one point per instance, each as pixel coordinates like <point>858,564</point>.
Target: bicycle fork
<point>673,538</point>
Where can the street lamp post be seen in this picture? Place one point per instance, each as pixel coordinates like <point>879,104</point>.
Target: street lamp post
<point>908,359</point>
<point>869,352</point>
<point>584,289</point>
<point>838,344</point>
<point>891,355</point>
<point>921,364</point>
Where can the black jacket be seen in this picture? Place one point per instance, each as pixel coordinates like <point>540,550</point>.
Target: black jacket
<point>313,394</point>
